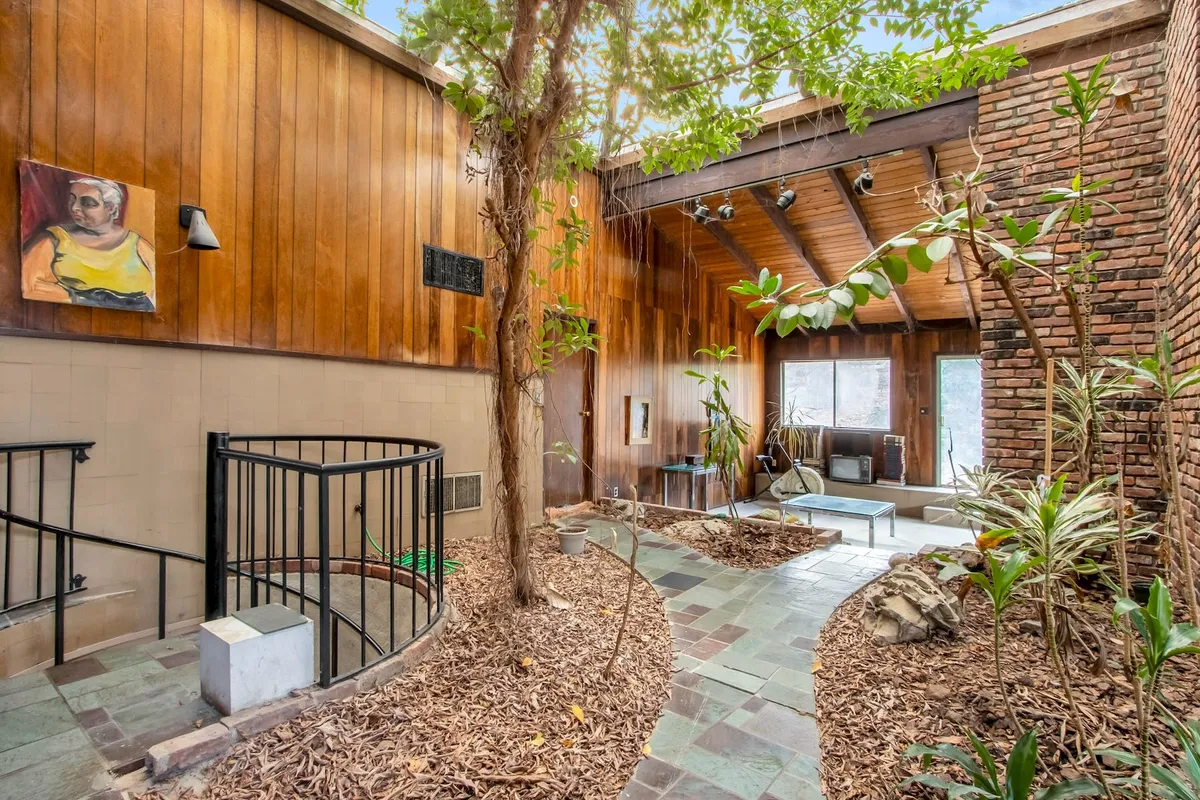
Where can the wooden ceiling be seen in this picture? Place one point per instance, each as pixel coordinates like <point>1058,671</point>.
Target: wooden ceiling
<point>829,229</point>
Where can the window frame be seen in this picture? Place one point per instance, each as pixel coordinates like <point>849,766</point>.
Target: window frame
<point>833,388</point>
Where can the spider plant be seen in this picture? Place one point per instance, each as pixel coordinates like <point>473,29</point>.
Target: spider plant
<point>985,778</point>
<point>1084,411</point>
<point>1062,533</point>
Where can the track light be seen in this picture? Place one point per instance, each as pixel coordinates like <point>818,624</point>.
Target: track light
<point>786,197</point>
<point>864,181</point>
<point>701,213</point>
<point>725,211</point>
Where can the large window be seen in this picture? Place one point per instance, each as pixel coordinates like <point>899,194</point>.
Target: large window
<point>847,393</point>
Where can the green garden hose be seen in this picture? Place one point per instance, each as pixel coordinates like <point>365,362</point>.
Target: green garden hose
<point>424,563</point>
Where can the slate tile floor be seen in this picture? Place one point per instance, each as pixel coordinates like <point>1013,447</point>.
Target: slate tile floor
<point>739,724</point>
<point>63,731</point>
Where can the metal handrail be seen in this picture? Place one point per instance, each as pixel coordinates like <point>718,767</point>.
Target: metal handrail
<point>248,512</point>
<point>46,527</point>
<point>430,451</point>
<point>23,447</point>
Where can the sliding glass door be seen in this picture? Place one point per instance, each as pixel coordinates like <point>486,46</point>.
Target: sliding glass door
<point>960,415</point>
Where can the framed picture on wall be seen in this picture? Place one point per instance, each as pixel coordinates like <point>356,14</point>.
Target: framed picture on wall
<point>637,419</point>
<point>85,240</point>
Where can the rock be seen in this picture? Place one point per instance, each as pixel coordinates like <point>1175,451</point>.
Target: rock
<point>896,559</point>
<point>938,692</point>
<point>906,605</point>
<point>1031,626</point>
<point>623,508</point>
<point>696,528</point>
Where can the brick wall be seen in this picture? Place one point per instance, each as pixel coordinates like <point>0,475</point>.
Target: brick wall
<point>1182,135</point>
<point>1018,135</point>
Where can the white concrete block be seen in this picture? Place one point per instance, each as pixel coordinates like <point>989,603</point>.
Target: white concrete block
<point>241,667</point>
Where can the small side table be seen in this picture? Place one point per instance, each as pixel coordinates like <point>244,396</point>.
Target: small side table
<point>693,471</point>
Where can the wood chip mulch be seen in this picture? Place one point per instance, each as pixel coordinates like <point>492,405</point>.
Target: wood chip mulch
<point>476,718</point>
<point>872,703</point>
<point>762,544</point>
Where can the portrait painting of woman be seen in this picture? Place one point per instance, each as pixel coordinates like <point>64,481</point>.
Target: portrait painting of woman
<point>85,240</point>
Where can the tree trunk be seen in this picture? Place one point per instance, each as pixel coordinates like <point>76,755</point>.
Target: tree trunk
<point>512,326</point>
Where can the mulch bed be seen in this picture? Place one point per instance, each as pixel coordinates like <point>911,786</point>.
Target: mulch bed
<point>762,544</point>
<point>872,703</point>
<point>476,719</point>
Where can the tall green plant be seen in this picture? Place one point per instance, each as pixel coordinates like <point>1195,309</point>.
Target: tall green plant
<point>1001,583</point>
<point>726,433</point>
<point>1161,639</point>
<point>1064,533</point>
<point>1156,374</point>
<point>986,783</point>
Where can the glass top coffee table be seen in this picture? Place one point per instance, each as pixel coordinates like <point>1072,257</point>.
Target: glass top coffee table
<point>870,510</point>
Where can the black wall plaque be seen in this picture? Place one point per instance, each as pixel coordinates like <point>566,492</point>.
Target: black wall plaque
<point>446,269</point>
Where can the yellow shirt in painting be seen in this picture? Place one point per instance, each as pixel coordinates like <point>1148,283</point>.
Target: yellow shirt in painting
<point>120,270</point>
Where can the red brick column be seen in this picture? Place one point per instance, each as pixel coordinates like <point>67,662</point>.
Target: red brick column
<point>1182,135</point>
<point>1027,148</point>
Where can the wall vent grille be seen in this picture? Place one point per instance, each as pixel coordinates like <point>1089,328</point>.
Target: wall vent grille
<point>460,492</point>
<point>445,269</point>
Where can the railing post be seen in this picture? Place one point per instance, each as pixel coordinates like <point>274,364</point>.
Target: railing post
<point>216,526</point>
<point>323,576</point>
<point>60,593</point>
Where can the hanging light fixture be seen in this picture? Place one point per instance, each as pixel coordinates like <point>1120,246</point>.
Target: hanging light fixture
<point>726,211</point>
<point>786,197</point>
<point>701,213</point>
<point>865,180</point>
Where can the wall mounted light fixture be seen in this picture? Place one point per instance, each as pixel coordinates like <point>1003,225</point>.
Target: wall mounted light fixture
<point>200,235</point>
<point>701,214</point>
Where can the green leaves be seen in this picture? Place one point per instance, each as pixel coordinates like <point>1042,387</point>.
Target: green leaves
<point>939,248</point>
<point>895,268</point>
<point>1161,638</point>
<point>981,769</point>
<point>1000,582</point>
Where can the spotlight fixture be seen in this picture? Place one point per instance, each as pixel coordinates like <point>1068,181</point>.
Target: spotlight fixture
<point>786,197</point>
<point>701,213</point>
<point>864,181</point>
<point>725,211</point>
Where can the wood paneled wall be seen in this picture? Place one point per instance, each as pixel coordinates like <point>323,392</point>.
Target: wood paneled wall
<point>323,171</point>
<point>914,379</point>
<point>656,312</point>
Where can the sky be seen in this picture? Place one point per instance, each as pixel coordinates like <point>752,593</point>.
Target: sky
<point>995,12</point>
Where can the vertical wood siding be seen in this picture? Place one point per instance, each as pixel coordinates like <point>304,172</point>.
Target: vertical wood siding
<point>323,172</point>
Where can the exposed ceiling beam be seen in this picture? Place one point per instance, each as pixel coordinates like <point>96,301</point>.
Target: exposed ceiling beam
<point>817,149</point>
<point>841,185</point>
<point>791,235</point>
<point>957,273</point>
<point>739,254</point>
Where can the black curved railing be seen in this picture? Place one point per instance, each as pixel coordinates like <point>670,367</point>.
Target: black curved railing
<point>282,510</point>
<point>66,580</point>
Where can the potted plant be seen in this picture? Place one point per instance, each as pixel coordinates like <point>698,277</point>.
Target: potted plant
<point>571,539</point>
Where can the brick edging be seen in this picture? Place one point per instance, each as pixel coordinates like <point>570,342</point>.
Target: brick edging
<point>212,741</point>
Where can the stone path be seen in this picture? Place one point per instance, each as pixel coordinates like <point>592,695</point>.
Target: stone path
<point>739,724</point>
<point>65,731</point>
